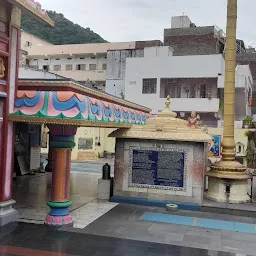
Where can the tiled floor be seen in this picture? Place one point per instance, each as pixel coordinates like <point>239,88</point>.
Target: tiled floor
<point>32,193</point>
<point>168,218</point>
<point>88,213</point>
<point>38,240</point>
<point>100,223</point>
<point>124,221</point>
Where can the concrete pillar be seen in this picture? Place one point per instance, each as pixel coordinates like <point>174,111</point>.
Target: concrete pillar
<point>61,144</point>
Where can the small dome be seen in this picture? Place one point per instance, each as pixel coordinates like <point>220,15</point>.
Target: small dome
<point>165,126</point>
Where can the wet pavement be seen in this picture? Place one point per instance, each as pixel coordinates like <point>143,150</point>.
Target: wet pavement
<point>39,240</point>
<point>126,221</point>
<point>104,228</point>
<point>31,194</point>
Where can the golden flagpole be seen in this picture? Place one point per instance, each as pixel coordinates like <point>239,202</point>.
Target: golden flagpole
<point>228,152</point>
<point>227,178</point>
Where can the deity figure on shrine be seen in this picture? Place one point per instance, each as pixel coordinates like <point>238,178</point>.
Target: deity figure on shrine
<point>192,120</point>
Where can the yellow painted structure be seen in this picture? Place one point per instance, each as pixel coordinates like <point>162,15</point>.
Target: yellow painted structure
<point>107,144</point>
<point>100,143</point>
<point>238,135</point>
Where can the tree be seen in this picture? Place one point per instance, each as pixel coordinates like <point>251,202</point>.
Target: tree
<point>64,31</point>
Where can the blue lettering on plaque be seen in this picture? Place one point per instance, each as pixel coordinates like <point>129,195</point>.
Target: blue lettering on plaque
<point>158,168</point>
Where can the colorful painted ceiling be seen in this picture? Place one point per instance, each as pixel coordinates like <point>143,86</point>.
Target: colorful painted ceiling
<point>71,108</point>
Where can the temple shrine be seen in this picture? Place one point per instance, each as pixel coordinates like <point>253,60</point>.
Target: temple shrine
<point>10,18</point>
<point>62,105</point>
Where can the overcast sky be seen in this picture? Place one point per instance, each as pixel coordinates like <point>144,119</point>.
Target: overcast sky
<point>130,20</point>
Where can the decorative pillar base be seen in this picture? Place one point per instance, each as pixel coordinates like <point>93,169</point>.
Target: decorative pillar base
<point>7,213</point>
<point>228,183</point>
<point>59,215</point>
<point>58,220</point>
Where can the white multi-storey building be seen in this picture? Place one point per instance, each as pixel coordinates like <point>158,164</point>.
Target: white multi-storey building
<point>194,83</point>
<point>81,62</point>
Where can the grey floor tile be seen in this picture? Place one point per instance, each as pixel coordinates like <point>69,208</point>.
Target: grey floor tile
<point>196,231</point>
<point>201,241</point>
<point>233,246</point>
<point>167,228</point>
<point>238,236</point>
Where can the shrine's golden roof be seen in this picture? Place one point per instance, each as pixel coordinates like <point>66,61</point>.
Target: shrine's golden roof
<point>165,126</point>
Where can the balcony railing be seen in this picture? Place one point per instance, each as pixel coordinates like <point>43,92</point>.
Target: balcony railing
<point>194,104</point>
<point>83,75</point>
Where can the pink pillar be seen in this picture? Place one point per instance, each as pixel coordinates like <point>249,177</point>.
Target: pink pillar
<point>7,213</point>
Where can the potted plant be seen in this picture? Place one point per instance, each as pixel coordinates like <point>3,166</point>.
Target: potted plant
<point>247,122</point>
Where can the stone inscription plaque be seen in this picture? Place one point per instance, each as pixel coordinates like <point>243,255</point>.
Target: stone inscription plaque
<point>157,168</point>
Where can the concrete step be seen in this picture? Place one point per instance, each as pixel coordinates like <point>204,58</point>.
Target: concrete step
<point>246,210</point>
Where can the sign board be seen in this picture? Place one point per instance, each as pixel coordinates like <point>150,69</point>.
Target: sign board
<point>24,168</point>
<point>215,146</point>
<point>161,168</point>
<point>35,158</point>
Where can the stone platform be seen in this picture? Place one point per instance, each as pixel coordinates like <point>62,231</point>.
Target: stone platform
<point>247,210</point>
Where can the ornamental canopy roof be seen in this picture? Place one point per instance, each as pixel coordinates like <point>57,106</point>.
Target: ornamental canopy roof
<point>34,8</point>
<point>165,126</point>
<point>66,102</point>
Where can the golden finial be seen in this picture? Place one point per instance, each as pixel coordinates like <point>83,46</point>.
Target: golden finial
<point>167,102</point>
<point>167,112</point>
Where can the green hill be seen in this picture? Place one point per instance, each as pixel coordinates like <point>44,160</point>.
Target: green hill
<point>64,32</point>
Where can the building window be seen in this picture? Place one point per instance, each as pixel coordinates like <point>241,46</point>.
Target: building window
<point>80,67</point>
<point>192,92</point>
<point>46,59</point>
<point>104,66</point>
<point>69,67</point>
<point>93,58</point>
<point>169,87</point>
<point>92,67</point>
<point>82,58</point>
<point>45,67</point>
<point>69,58</point>
<point>173,92</point>
<point>149,85</point>
<point>57,59</point>
<point>203,91</point>
<point>56,67</point>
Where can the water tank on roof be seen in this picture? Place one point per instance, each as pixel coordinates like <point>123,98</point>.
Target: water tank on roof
<point>181,22</point>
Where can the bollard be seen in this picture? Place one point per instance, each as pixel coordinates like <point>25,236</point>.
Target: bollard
<point>106,171</point>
